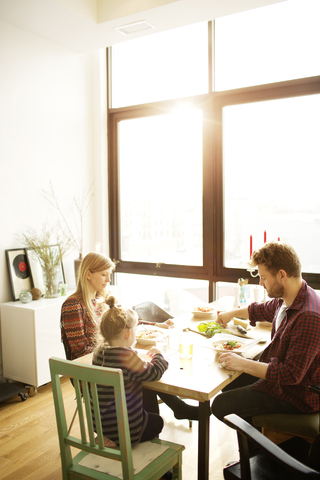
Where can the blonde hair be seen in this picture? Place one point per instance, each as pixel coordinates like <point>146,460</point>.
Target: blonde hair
<point>92,262</point>
<point>114,321</point>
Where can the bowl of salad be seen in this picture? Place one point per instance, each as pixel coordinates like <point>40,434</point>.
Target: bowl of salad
<point>229,346</point>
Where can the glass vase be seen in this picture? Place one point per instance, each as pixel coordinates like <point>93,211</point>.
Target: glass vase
<point>243,297</point>
<point>51,282</point>
<point>25,296</point>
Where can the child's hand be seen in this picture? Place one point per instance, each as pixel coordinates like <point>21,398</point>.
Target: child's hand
<point>153,351</point>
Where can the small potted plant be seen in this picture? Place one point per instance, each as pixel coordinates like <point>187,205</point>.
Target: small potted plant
<point>49,258</point>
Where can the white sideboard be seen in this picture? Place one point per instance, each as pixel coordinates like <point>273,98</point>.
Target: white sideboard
<point>30,335</point>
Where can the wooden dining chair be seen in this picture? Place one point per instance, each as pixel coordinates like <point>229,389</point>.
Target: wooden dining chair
<point>279,427</point>
<point>67,351</point>
<point>147,460</point>
<point>292,459</point>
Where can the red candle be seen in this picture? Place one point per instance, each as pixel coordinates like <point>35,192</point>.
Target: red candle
<point>265,237</point>
<point>250,246</point>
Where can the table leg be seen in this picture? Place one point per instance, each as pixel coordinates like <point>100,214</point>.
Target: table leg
<point>203,440</point>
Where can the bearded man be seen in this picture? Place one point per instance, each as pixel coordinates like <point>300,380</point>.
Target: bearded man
<point>278,382</point>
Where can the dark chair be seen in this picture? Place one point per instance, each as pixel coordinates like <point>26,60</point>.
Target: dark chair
<point>150,312</point>
<point>66,346</point>
<point>293,459</point>
<point>278,427</point>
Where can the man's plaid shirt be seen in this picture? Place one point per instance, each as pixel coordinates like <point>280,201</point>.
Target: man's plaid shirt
<point>294,352</point>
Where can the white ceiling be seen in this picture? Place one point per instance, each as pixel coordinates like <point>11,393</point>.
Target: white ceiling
<point>84,25</point>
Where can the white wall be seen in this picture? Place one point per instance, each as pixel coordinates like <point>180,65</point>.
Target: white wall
<point>49,104</point>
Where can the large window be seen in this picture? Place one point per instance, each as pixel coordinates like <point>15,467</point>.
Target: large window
<point>274,149</point>
<point>268,44</point>
<point>197,172</point>
<point>161,188</point>
<point>175,295</point>
<point>171,64</point>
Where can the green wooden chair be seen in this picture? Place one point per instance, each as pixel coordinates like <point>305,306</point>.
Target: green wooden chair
<point>95,461</point>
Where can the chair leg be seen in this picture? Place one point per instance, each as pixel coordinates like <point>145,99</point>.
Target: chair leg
<point>73,419</point>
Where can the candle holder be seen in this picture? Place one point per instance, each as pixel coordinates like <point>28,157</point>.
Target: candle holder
<point>251,270</point>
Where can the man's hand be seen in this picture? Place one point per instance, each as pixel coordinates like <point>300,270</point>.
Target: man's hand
<point>232,361</point>
<point>225,317</point>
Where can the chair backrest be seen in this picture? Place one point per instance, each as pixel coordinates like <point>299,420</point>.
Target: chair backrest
<point>85,379</point>
<point>151,312</point>
<point>67,349</point>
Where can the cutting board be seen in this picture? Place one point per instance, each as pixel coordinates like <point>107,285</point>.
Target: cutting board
<point>232,330</point>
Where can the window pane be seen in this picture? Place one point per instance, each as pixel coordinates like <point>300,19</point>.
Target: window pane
<point>226,294</point>
<point>171,64</point>
<point>160,167</point>
<point>175,295</point>
<point>271,153</point>
<point>269,44</point>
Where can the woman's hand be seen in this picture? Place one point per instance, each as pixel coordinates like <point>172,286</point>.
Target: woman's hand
<point>166,324</point>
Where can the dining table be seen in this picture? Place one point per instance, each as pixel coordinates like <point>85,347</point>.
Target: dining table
<point>201,377</point>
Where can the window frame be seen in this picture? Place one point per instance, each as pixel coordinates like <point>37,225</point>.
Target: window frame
<point>279,90</point>
<point>125,113</point>
<point>212,105</point>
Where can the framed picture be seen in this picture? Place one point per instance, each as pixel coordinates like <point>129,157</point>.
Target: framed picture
<point>19,271</point>
<point>36,269</point>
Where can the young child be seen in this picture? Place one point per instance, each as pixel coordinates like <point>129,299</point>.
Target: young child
<point>118,334</point>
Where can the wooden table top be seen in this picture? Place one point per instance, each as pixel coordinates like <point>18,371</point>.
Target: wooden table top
<point>201,377</point>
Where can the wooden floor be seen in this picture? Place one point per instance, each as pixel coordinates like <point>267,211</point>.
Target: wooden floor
<point>29,445</point>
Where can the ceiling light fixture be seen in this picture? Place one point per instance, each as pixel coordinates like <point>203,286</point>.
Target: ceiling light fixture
<point>134,28</point>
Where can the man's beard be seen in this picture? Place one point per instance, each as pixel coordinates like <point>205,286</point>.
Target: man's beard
<point>276,291</point>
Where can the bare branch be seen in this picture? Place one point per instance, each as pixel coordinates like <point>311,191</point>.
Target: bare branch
<point>81,204</point>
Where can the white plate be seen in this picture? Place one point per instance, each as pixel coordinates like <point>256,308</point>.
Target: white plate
<point>218,346</point>
<point>199,314</point>
<point>148,341</point>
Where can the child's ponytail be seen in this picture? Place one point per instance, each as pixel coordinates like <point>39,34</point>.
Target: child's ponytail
<point>115,320</point>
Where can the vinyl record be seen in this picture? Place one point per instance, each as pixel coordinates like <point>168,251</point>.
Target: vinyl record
<point>20,266</point>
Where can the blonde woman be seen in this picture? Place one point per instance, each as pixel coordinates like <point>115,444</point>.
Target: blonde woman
<point>80,319</point>
<point>81,312</point>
